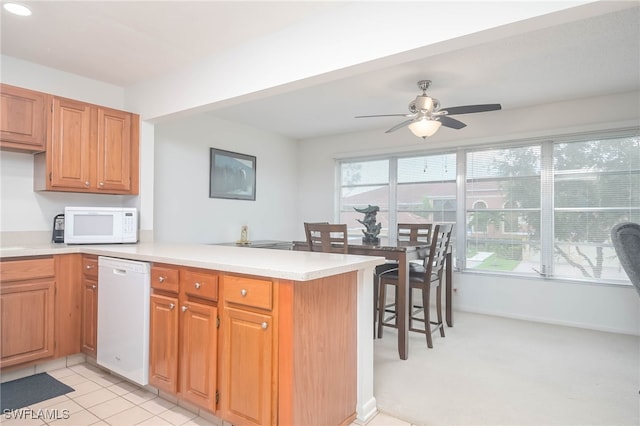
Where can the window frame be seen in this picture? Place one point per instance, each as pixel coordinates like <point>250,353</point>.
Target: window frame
<point>546,206</point>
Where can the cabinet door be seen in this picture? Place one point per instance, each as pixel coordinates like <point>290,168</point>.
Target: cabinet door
<point>89,331</point>
<point>23,119</point>
<point>27,321</point>
<point>163,342</point>
<point>248,352</point>
<point>114,150</point>
<point>70,150</point>
<point>198,359</point>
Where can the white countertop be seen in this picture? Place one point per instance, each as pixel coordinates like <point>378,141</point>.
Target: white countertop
<point>285,264</point>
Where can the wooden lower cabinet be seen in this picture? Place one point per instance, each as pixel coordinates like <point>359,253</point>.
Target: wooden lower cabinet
<point>89,321</point>
<point>198,356</point>
<point>183,333</point>
<point>27,299</point>
<point>40,309</point>
<point>286,350</point>
<point>248,366</point>
<point>89,330</point>
<point>163,339</point>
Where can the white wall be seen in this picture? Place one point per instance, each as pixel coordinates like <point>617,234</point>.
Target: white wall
<point>183,210</point>
<point>600,307</point>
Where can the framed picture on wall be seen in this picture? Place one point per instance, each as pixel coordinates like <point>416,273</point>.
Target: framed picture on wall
<point>232,175</point>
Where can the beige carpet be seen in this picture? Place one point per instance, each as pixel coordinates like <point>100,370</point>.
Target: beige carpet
<point>496,371</point>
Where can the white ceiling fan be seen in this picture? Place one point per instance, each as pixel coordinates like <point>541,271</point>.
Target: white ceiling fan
<point>427,116</point>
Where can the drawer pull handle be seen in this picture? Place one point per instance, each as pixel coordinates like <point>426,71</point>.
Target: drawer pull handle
<point>264,325</point>
<point>197,285</point>
<point>243,292</point>
<point>184,309</point>
<point>161,279</point>
<point>171,306</point>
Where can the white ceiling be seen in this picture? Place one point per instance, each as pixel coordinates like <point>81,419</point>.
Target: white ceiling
<point>127,42</point>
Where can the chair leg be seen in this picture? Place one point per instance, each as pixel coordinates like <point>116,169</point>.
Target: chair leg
<point>376,285</point>
<point>439,308</point>
<point>426,302</point>
<point>396,292</point>
<point>381,302</point>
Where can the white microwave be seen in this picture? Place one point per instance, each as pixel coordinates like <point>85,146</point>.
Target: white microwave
<point>100,225</point>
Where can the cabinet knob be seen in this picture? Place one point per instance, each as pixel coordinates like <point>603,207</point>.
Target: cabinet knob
<point>171,306</point>
<point>86,183</point>
<point>197,285</point>
<point>264,325</point>
<point>243,292</point>
<point>90,266</point>
<point>101,184</point>
<point>94,286</point>
<point>161,279</point>
<point>184,309</point>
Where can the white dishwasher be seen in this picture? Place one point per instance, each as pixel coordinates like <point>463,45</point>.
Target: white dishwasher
<point>123,317</point>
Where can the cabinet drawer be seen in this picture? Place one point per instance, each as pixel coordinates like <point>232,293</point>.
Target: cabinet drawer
<point>90,266</point>
<point>248,291</point>
<point>165,277</point>
<point>15,270</point>
<point>199,283</point>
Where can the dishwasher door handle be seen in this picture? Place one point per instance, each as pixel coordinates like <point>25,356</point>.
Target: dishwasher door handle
<point>119,271</point>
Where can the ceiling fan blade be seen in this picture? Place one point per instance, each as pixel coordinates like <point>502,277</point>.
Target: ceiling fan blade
<point>451,122</point>
<point>384,115</point>
<point>398,126</point>
<point>468,109</point>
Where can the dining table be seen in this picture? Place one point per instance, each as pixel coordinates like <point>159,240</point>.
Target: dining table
<point>402,252</point>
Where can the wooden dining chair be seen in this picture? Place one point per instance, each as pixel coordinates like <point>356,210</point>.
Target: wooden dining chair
<point>414,232</point>
<point>423,279</point>
<point>406,232</point>
<point>327,237</point>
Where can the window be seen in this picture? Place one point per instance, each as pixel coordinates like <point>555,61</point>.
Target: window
<point>478,224</point>
<point>503,191</point>
<point>363,183</point>
<point>596,185</point>
<point>426,189</point>
<point>539,209</point>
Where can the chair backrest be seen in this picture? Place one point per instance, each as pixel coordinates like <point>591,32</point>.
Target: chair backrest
<point>626,241</point>
<point>434,262</point>
<point>327,237</point>
<point>414,232</point>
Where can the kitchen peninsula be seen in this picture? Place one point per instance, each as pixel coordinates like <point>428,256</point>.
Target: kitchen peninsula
<point>304,317</point>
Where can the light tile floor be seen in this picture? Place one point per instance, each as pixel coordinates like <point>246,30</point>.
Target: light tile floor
<point>100,398</point>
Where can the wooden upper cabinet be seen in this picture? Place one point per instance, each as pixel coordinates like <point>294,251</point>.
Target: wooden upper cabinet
<point>114,150</point>
<point>69,146</point>
<point>22,119</point>
<point>89,149</point>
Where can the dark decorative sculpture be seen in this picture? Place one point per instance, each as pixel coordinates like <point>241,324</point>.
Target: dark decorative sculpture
<point>372,228</point>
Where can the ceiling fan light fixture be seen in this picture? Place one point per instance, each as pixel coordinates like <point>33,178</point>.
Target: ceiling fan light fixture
<point>424,103</point>
<point>424,128</point>
<point>17,9</point>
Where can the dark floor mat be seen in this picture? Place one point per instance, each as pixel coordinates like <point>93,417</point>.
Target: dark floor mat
<point>30,390</point>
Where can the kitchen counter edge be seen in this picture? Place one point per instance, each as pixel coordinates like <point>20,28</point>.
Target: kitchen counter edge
<point>282,264</point>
